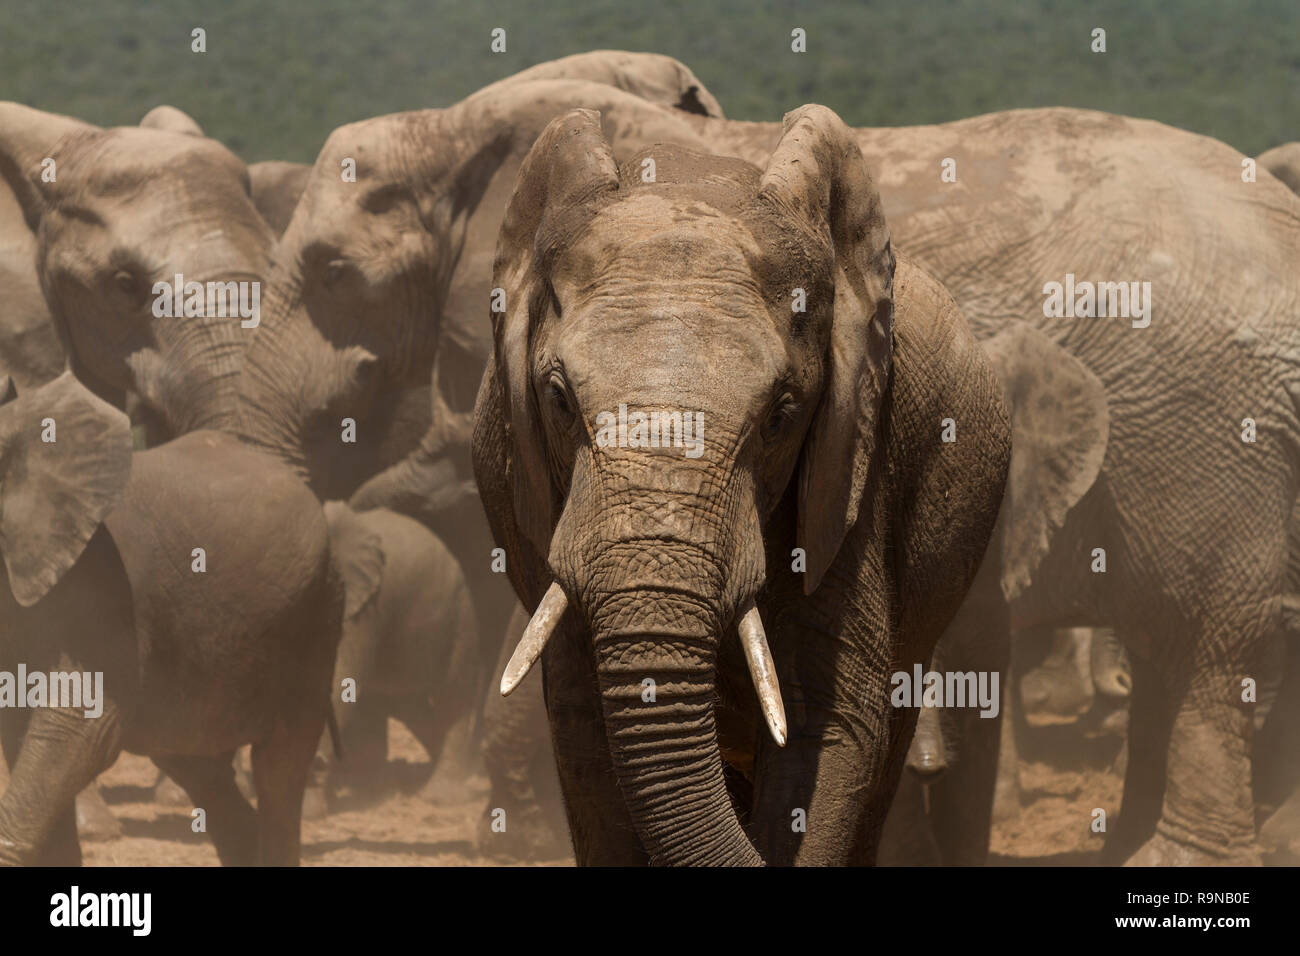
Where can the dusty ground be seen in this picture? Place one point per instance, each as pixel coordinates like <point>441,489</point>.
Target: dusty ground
<point>1054,824</point>
<point>407,829</point>
<point>400,830</point>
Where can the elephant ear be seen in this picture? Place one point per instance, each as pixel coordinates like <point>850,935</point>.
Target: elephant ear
<point>171,120</point>
<point>27,138</point>
<point>54,494</point>
<point>818,175</point>
<point>358,555</point>
<point>276,188</point>
<point>566,177</point>
<point>1059,428</point>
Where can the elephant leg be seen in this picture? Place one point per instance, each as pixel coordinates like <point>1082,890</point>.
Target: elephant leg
<point>281,765</point>
<point>1208,811</point>
<point>961,799</point>
<point>360,722</point>
<point>1006,788</point>
<point>446,736</point>
<point>61,753</point>
<point>1149,726</point>
<point>210,782</point>
<point>448,713</point>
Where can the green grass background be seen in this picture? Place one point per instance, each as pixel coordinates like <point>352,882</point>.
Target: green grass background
<point>277,77</point>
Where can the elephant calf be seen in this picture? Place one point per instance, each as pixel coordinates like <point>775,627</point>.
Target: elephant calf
<point>410,643</point>
<point>126,577</point>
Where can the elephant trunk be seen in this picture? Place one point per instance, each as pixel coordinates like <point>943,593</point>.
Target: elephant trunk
<point>662,575</point>
<point>290,374</point>
<point>657,678</point>
<point>191,381</point>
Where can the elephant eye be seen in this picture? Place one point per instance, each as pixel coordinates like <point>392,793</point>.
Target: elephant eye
<point>129,284</point>
<point>557,394</point>
<point>334,271</point>
<point>781,414</point>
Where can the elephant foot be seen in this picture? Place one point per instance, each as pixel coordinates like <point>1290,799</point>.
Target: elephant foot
<point>315,805</point>
<point>95,822</point>
<point>1160,850</point>
<point>168,793</point>
<point>1060,690</point>
<point>1110,670</point>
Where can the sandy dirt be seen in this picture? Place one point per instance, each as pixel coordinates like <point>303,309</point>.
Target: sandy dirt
<point>401,829</point>
<point>406,828</point>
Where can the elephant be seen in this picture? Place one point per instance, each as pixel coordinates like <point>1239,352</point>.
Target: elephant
<point>1193,620</point>
<point>102,247</point>
<point>409,647</point>
<point>1284,163</point>
<point>100,585</point>
<point>675,296</point>
<point>29,344</point>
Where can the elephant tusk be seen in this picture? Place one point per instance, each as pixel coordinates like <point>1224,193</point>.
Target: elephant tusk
<point>536,634</point>
<point>763,671</point>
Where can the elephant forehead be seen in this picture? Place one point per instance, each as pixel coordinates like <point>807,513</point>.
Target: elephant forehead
<point>128,160</point>
<point>657,238</point>
<point>661,353</point>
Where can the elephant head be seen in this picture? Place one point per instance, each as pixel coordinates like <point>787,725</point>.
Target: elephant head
<point>116,215</point>
<point>65,456</point>
<point>386,261</point>
<point>754,307</point>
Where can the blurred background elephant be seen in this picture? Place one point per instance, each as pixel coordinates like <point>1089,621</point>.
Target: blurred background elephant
<point>99,285</point>
<point>409,650</point>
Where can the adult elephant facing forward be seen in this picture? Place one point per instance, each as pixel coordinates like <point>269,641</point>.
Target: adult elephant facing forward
<point>821,431</point>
